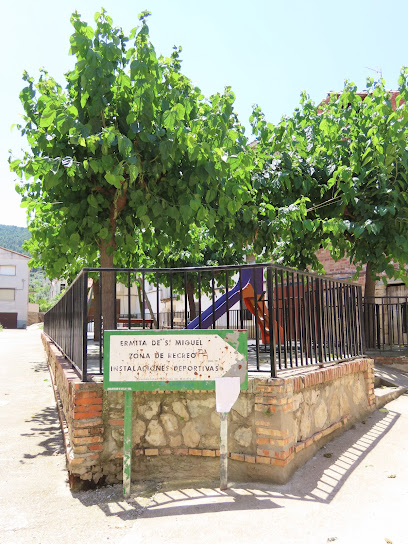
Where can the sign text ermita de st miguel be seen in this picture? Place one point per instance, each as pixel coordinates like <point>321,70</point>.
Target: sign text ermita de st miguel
<point>176,360</point>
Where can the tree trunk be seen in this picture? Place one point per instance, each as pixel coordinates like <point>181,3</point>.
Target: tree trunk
<point>106,250</point>
<point>155,324</point>
<point>369,288</point>
<point>149,306</point>
<point>139,294</point>
<point>97,311</point>
<point>108,289</point>
<point>191,301</point>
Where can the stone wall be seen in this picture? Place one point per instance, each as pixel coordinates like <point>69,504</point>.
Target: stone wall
<point>35,317</point>
<point>174,424</point>
<point>274,427</point>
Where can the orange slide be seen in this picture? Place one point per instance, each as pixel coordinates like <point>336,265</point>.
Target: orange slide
<point>263,314</point>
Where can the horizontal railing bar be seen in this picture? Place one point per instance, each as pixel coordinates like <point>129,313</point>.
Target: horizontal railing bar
<point>371,300</point>
<point>214,268</point>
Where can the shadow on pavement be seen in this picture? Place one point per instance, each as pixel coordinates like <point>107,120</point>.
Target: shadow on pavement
<point>319,480</point>
<point>40,366</point>
<point>46,426</point>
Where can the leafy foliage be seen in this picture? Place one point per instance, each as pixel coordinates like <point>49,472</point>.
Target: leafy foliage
<point>129,159</point>
<point>40,290</point>
<point>345,163</point>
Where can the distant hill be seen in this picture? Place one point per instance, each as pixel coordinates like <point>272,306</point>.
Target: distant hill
<point>12,237</point>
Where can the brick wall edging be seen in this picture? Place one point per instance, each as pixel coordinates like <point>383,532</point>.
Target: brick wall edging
<point>277,446</point>
<point>80,406</point>
<point>391,359</point>
<point>80,412</point>
<point>318,376</point>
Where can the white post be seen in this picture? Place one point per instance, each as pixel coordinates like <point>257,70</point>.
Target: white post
<point>226,393</point>
<point>224,450</point>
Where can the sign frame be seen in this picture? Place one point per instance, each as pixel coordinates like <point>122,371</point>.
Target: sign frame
<point>238,340</point>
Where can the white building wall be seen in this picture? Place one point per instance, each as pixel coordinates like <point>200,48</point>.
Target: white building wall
<point>18,282</point>
<point>122,295</point>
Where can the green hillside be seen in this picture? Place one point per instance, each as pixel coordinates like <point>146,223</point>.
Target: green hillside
<point>12,237</point>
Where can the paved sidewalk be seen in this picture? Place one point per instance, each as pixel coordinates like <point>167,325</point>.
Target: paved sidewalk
<point>354,491</point>
<point>36,504</point>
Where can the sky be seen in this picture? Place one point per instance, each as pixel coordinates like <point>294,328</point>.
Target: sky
<point>268,51</point>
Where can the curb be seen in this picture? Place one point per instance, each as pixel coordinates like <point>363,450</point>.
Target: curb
<point>388,394</point>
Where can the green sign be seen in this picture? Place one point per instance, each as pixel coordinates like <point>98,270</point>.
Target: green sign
<point>175,360</point>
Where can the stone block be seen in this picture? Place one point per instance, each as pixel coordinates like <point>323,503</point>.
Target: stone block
<point>149,410</point>
<point>151,451</point>
<point>243,436</point>
<point>175,441</point>
<point>155,434</point>
<point>138,431</point>
<point>180,409</point>
<point>190,435</point>
<point>263,460</point>
<point>169,422</point>
<point>320,414</point>
<point>238,457</point>
<point>198,407</point>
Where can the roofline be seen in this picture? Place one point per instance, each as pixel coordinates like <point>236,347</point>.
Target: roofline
<point>16,252</point>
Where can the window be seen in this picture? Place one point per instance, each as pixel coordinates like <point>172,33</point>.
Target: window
<point>7,294</point>
<point>7,270</point>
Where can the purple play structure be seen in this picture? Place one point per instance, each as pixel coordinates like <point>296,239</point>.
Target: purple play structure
<point>253,276</point>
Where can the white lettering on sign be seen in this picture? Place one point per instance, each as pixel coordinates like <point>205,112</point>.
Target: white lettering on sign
<point>173,358</point>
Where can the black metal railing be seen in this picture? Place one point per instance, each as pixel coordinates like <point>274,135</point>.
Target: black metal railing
<point>66,323</point>
<point>233,315</point>
<point>386,322</point>
<point>294,319</point>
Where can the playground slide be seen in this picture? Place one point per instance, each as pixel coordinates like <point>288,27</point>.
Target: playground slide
<point>208,316</point>
<point>262,315</point>
<point>211,314</point>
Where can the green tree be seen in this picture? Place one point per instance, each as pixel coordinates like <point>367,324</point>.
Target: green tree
<point>204,250</point>
<point>39,287</point>
<point>126,157</point>
<point>345,163</point>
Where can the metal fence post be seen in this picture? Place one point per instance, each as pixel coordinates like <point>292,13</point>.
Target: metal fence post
<point>319,331</point>
<point>85,329</point>
<point>271,324</point>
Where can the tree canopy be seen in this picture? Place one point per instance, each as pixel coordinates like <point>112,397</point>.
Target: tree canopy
<point>345,161</point>
<point>128,157</point>
<point>129,165</point>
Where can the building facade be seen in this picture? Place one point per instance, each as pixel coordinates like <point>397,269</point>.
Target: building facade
<point>14,280</point>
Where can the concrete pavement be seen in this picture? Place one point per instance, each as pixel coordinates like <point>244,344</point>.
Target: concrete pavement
<point>355,490</point>
<point>36,504</point>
